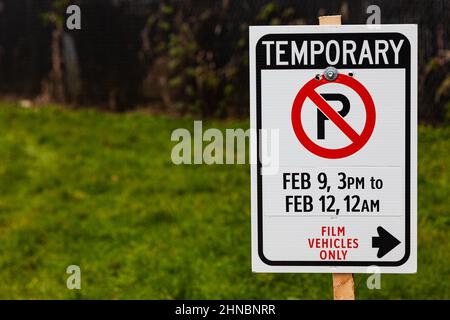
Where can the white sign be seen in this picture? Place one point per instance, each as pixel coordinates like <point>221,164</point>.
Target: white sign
<point>343,197</point>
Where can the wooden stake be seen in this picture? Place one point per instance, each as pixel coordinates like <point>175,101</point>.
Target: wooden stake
<point>330,20</point>
<point>343,286</point>
<point>343,283</point>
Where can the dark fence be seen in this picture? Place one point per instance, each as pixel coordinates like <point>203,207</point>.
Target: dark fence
<point>182,56</point>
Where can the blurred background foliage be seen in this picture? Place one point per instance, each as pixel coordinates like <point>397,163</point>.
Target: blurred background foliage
<point>183,56</point>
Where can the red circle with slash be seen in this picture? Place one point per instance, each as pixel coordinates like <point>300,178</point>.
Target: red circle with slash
<point>358,140</point>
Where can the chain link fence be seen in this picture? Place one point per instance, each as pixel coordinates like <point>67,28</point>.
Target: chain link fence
<point>183,56</point>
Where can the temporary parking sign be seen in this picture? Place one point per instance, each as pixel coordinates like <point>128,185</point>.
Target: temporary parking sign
<point>335,109</point>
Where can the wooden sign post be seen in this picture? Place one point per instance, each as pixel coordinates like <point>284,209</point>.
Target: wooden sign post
<point>343,284</point>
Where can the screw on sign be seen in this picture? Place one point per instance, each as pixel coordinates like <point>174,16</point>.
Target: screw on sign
<point>309,91</point>
<point>330,73</point>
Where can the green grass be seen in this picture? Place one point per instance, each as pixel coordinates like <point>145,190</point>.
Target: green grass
<point>99,190</point>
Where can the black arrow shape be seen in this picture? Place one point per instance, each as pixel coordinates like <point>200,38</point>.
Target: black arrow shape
<point>385,242</point>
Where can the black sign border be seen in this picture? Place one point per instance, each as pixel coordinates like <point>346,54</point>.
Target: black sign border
<point>405,55</point>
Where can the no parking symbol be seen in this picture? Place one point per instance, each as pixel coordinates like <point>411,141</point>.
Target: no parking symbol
<point>338,118</point>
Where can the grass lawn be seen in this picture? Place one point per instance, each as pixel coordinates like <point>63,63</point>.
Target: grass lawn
<point>99,190</point>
